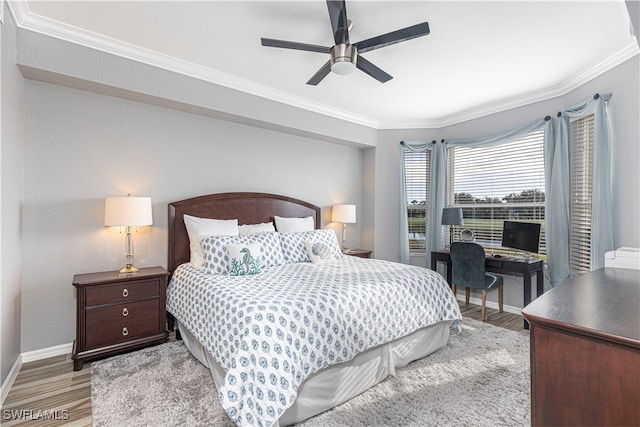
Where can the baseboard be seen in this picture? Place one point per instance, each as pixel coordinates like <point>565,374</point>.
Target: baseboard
<point>492,305</point>
<point>43,353</point>
<point>8,383</point>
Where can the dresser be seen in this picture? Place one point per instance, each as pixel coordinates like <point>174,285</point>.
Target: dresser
<point>118,312</point>
<point>585,351</point>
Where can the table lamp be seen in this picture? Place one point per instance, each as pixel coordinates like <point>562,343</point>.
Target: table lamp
<point>346,214</point>
<point>128,212</point>
<point>452,216</point>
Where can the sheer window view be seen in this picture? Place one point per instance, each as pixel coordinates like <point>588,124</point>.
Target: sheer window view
<point>581,151</point>
<point>494,184</point>
<point>417,183</point>
<point>491,185</point>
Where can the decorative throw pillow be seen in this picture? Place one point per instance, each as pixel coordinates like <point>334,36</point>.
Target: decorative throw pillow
<point>265,227</point>
<point>319,252</point>
<point>198,227</point>
<point>294,225</point>
<point>244,259</point>
<point>294,249</point>
<point>216,257</point>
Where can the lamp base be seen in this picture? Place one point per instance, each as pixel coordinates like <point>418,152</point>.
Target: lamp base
<point>129,269</point>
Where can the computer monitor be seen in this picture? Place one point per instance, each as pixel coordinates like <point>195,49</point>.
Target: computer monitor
<point>521,235</point>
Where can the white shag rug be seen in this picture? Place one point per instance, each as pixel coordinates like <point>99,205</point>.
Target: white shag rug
<point>480,378</point>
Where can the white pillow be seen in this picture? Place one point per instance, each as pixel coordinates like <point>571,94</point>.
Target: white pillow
<point>319,252</point>
<point>265,227</point>
<point>294,247</point>
<point>198,227</point>
<point>244,259</point>
<point>294,225</point>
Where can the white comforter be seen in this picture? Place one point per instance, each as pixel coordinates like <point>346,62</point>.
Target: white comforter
<point>271,331</point>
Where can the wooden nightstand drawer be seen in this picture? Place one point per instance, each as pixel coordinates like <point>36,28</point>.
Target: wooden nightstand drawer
<point>130,291</point>
<point>122,322</point>
<point>119,312</point>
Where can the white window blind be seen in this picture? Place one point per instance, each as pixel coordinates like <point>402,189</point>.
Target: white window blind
<point>581,152</point>
<point>494,184</point>
<point>417,166</point>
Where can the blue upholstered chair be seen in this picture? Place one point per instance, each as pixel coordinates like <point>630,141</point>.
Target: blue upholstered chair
<point>468,260</point>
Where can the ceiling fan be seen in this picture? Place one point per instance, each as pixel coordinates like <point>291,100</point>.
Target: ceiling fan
<point>345,57</point>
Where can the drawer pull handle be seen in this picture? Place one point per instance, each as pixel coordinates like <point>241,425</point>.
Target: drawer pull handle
<point>125,331</point>
<point>125,292</point>
<point>125,312</point>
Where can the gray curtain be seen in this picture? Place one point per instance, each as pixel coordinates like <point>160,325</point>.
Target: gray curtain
<point>557,203</point>
<point>499,138</point>
<point>437,189</point>
<point>601,214</point>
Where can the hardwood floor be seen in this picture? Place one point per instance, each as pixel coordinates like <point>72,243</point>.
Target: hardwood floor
<point>50,393</point>
<point>505,320</point>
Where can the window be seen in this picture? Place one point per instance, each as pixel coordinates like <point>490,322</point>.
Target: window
<point>494,184</point>
<point>417,165</point>
<point>581,153</point>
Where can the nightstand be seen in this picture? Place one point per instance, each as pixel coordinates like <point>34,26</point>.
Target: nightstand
<point>118,312</point>
<point>360,253</point>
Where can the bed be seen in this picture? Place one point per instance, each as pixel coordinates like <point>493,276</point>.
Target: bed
<point>299,337</point>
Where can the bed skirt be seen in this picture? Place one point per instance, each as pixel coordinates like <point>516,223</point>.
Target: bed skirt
<point>338,383</point>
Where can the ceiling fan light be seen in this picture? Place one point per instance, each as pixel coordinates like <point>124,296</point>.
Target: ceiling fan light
<point>343,59</point>
<point>343,68</point>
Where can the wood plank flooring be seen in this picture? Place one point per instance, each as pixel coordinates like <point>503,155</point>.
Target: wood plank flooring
<point>50,393</point>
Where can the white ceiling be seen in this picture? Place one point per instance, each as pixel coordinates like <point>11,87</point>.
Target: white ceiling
<point>480,57</point>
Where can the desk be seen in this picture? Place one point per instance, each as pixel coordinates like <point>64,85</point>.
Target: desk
<point>522,266</point>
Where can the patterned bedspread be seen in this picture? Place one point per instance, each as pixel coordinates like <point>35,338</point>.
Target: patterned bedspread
<point>271,331</point>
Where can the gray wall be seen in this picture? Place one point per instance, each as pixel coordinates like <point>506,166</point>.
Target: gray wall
<point>81,147</point>
<point>11,164</point>
<point>622,81</point>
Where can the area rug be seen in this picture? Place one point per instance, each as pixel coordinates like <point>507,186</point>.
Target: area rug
<point>480,378</point>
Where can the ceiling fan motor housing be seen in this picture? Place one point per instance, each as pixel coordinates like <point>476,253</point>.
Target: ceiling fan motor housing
<point>343,58</point>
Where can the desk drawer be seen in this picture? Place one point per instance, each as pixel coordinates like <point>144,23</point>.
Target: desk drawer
<point>122,322</point>
<point>120,293</point>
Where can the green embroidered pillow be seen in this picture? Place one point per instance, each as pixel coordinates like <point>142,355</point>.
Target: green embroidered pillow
<point>244,259</point>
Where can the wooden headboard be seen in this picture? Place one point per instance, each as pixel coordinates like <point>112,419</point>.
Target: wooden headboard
<point>247,208</point>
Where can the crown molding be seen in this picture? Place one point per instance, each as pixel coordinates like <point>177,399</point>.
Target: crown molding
<point>28,21</point>
<point>624,54</point>
<point>56,29</point>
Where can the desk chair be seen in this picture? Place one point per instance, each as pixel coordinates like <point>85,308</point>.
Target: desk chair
<point>468,262</point>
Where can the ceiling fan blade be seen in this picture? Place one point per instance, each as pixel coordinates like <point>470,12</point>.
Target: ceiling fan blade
<point>339,21</point>
<point>320,74</point>
<point>294,45</point>
<point>393,37</point>
<point>372,70</point>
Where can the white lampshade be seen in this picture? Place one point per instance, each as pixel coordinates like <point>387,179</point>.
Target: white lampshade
<point>344,214</point>
<point>127,211</point>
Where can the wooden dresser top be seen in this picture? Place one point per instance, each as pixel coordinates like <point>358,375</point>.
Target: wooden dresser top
<point>603,303</point>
